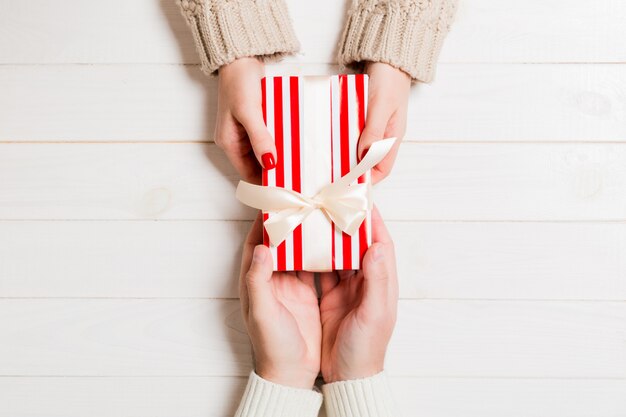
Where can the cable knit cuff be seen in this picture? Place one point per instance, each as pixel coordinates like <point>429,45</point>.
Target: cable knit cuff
<point>263,398</point>
<point>407,34</point>
<point>360,397</point>
<point>225,30</point>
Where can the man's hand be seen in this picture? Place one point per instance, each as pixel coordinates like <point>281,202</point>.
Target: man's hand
<point>358,311</point>
<point>282,316</point>
<point>240,130</point>
<point>388,99</point>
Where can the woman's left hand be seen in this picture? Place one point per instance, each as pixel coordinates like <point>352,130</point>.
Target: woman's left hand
<point>387,105</point>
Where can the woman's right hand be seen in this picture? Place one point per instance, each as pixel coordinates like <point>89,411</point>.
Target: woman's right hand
<point>240,129</point>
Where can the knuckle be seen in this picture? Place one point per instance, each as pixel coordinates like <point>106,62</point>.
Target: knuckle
<point>220,141</point>
<point>250,278</point>
<point>227,145</point>
<point>251,284</point>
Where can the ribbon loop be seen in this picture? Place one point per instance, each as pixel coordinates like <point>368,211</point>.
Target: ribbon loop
<point>346,204</point>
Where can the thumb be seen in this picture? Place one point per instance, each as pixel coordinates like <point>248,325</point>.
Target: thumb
<point>375,127</point>
<point>376,278</point>
<point>262,142</point>
<point>258,279</point>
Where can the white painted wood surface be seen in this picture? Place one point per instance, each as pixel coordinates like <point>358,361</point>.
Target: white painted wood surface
<point>511,249</point>
<point>478,182</point>
<point>437,260</point>
<point>433,338</point>
<point>166,103</point>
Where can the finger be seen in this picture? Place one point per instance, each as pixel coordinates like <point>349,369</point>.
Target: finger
<point>253,238</point>
<point>328,281</point>
<point>384,167</point>
<point>243,296</point>
<point>262,142</point>
<point>229,136</point>
<point>255,235</point>
<point>308,278</point>
<point>258,281</point>
<point>378,115</point>
<point>379,267</point>
<point>377,277</point>
<point>379,230</point>
<point>245,165</point>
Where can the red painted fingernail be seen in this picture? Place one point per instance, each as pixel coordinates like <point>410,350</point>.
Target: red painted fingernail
<point>364,153</point>
<point>268,161</point>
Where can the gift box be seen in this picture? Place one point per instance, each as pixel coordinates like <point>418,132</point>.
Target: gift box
<point>316,202</point>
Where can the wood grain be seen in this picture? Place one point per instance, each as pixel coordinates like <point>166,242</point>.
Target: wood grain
<point>200,259</point>
<point>145,31</point>
<point>475,182</point>
<point>138,103</point>
<point>218,397</point>
<point>487,339</point>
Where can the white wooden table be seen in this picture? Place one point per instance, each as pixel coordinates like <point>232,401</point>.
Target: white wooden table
<point>120,234</point>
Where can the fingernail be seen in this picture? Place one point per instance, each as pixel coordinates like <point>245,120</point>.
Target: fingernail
<point>364,153</point>
<point>268,161</point>
<point>259,254</point>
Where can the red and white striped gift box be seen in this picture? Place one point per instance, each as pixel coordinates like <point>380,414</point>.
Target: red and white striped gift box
<point>316,123</point>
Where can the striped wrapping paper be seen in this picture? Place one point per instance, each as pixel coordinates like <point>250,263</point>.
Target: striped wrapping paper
<point>316,123</point>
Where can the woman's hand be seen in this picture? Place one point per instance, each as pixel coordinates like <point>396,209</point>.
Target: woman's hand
<point>388,99</point>
<point>240,130</point>
<point>358,312</point>
<point>282,316</point>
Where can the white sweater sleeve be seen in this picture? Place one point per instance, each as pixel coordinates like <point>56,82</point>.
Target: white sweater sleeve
<point>263,398</point>
<point>360,397</point>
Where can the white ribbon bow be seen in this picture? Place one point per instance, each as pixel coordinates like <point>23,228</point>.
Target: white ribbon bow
<point>346,205</point>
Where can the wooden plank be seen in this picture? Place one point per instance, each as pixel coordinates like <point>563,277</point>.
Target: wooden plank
<point>144,31</point>
<point>477,182</point>
<point>129,397</point>
<point>537,31</point>
<point>178,103</point>
<point>189,259</point>
<point>219,397</point>
<point>199,259</point>
<point>112,337</point>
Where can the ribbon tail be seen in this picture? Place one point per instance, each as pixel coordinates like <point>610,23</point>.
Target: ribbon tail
<point>348,224</point>
<point>374,155</point>
<point>279,225</point>
<point>349,209</point>
<point>346,204</point>
<point>287,208</point>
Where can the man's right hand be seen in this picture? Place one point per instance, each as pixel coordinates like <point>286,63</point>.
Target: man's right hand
<point>358,311</point>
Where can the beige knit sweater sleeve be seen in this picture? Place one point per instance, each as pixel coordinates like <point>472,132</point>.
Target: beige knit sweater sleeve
<point>225,30</point>
<point>407,34</point>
